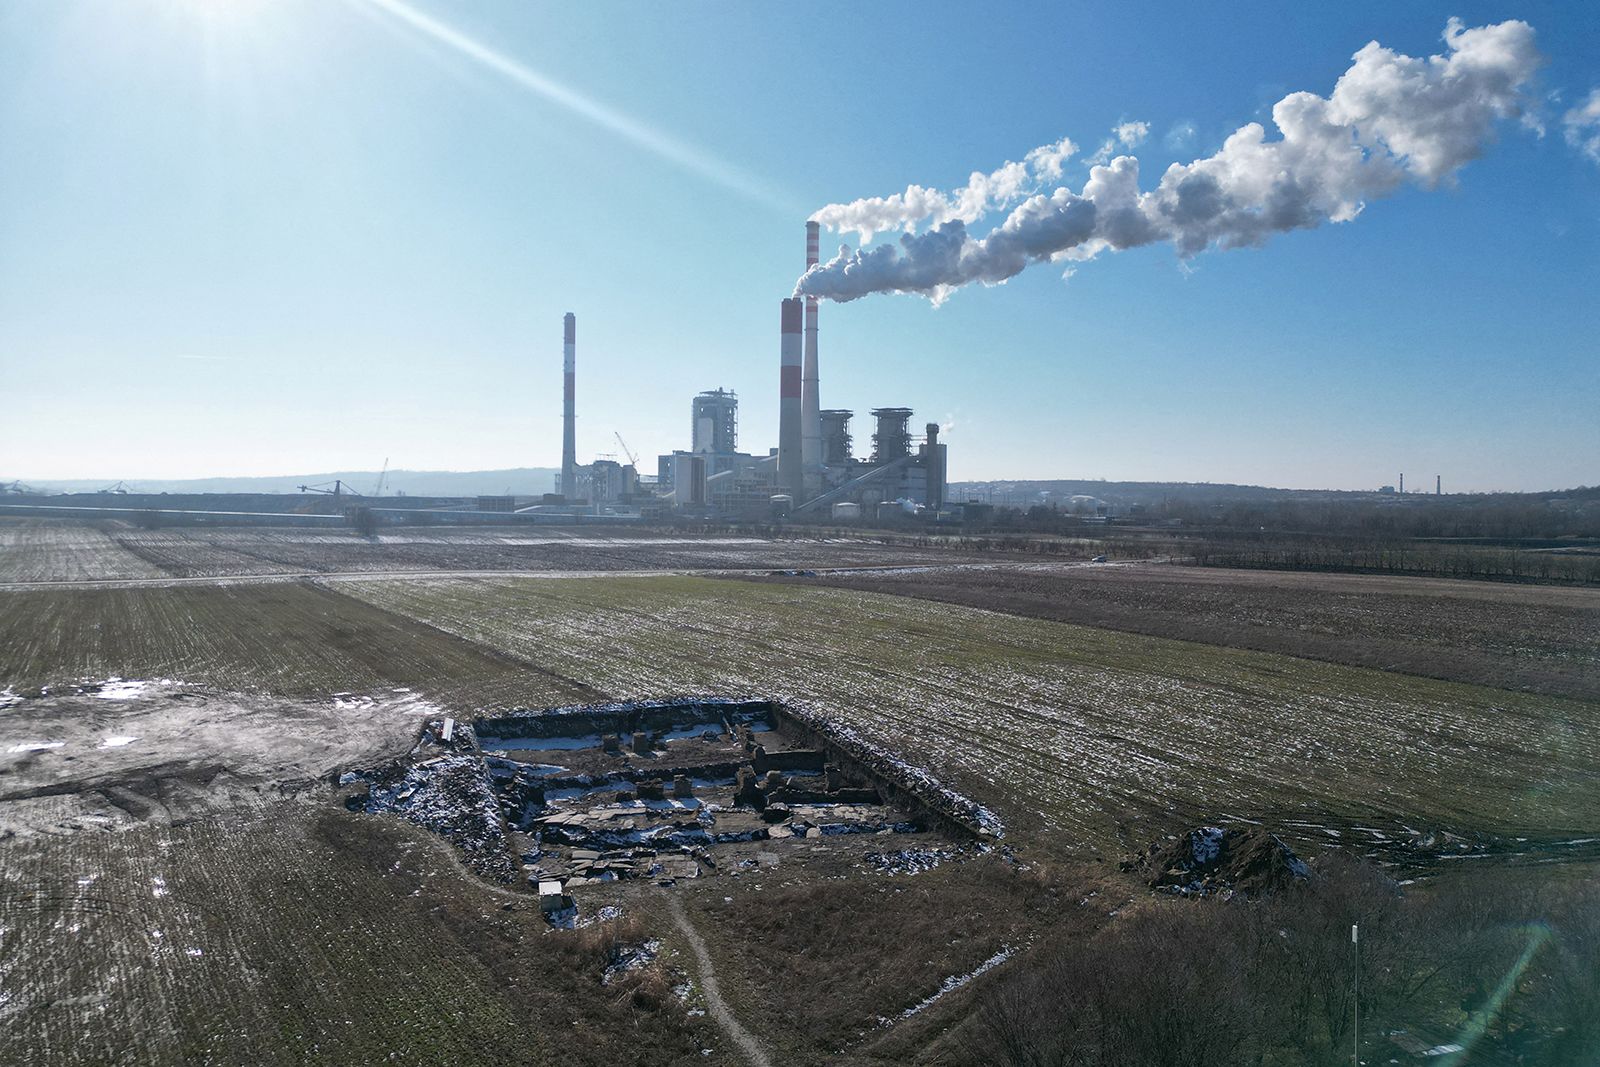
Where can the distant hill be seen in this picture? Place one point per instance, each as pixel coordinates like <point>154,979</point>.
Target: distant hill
<point>1026,491</point>
<point>519,481</point>
<point>1061,490</point>
<point>532,481</point>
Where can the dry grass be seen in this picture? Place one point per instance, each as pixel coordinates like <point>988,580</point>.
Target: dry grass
<point>275,940</point>
<point>287,639</point>
<point>821,966</point>
<point>1528,638</point>
<point>346,939</point>
<point>1086,740</point>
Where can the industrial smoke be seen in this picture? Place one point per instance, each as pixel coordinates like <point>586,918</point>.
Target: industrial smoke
<point>1390,118</point>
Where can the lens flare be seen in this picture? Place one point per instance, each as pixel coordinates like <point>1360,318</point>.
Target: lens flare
<point>607,118</point>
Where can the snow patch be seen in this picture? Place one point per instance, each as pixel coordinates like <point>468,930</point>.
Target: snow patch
<point>630,958</point>
<point>126,688</point>
<point>956,981</point>
<point>35,746</point>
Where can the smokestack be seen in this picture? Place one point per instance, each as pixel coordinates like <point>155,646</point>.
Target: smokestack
<point>791,476</point>
<point>569,438</point>
<point>1438,485</point>
<point>1402,484</point>
<point>810,400</point>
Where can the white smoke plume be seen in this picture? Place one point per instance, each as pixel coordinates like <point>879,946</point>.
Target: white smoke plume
<point>983,193</point>
<point>1390,118</point>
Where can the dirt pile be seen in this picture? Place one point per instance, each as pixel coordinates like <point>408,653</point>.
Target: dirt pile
<point>449,795</point>
<point>1211,860</point>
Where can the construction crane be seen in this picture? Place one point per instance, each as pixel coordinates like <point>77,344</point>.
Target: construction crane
<point>383,476</point>
<point>339,488</point>
<point>626,451</point>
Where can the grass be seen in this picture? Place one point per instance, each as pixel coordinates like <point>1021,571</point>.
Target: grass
<point>287,639</point>
<point>1531,638</point>
<point>821,964</point>
<point>1093,740</point>
<point>35,550</point>
<point>327,938</point>
<point>288,940</point>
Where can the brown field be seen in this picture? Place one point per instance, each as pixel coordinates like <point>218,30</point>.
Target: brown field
<point>178,885</point>
<point>48,551</point>
<point>1538,639</point>
<point>293,937</point>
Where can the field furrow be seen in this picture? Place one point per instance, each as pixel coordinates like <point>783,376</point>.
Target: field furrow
<point>1095,738</point>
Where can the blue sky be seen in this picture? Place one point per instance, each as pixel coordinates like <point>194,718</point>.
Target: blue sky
<point>267,236</point>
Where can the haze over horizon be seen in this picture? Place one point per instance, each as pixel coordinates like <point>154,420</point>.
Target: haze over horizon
<point>247,238</point>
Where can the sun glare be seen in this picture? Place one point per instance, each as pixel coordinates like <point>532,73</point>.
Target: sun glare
<point>218,12</point>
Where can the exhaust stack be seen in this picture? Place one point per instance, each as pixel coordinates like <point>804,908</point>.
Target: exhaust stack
<point>791,476</point>
<point>569,438</point>
<point>811,404</point>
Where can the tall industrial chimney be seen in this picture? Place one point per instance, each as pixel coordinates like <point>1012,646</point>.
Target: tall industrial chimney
<point>569,437</point>
<point>1438,485</point>
<point>933,469</point>
<point>791,475</point>
<point>810,400</point>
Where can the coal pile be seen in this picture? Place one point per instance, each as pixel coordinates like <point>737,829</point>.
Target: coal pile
<point>1211,860</point>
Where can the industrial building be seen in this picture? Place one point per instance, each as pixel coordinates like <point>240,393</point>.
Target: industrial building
<point>813,471</point>
<point>715,415</point>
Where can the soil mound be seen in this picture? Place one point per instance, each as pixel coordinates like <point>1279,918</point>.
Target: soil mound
<point>1211,860</point>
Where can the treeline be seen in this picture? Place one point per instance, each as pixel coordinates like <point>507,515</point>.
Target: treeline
<point>1394,557</point>
<point>1508,516</point>
<point>1500,517</point>
<point>1506,969</point>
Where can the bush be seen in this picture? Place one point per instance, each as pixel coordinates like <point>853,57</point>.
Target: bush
<point>362,520</point>
<point>1504,964</point>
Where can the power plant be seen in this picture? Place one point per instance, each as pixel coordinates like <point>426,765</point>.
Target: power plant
<point>813,471</point>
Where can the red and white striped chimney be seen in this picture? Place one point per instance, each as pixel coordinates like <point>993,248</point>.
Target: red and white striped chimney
<point>791,475</point>
<point>810,398</point>
<point>569,442</point>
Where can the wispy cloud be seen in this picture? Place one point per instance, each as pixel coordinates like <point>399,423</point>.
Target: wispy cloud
<point>1181,135</point>
<point>1123,135</point>
<point>1581,126</point>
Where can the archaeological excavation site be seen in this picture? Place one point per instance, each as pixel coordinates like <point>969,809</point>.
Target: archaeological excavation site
<point>656,792</point>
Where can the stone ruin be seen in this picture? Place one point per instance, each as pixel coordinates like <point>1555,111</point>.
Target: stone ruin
<point>658,790</point>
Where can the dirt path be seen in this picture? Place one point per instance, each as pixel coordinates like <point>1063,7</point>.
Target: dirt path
<point>753,1052</point>
<point>331,577</point>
